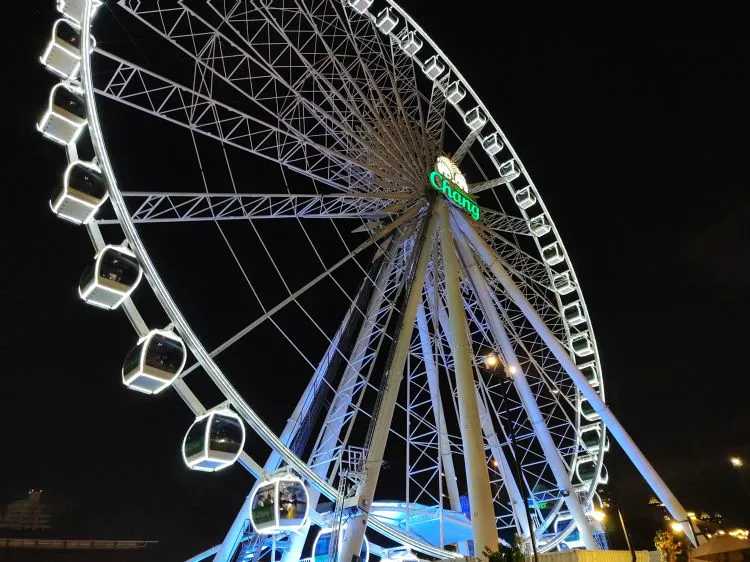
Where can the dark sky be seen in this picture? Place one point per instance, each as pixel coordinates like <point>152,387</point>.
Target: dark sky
<point>638,146</point>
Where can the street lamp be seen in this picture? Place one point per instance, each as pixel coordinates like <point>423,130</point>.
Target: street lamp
<point>598,515</point>
<point>492,361</point>
<point>678,529</point>
<point>736,462</point>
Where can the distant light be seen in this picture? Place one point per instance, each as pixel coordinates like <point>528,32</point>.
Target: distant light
<point>676,527</point>
<point>598,515</point>
<point>691,515</point>
<point>494,462</point>
<point>512,370</point>
<point>736,462</point>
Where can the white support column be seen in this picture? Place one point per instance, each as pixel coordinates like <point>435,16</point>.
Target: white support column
<point>437,407</point>
<point>433,382</point>
<point>561,354</point>
<point>335,418</point>
<point>477,474</point>
<point>521,384</point>
<point>355,529</point>
<point>517,501</point>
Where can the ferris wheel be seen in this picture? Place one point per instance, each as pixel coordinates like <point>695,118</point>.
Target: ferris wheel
<point>321,187</point>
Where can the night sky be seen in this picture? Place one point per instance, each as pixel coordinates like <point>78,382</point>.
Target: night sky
<point>639,149</point>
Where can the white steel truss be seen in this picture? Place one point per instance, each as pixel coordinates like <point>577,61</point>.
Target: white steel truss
<point>155,207</point>
<point>359,115</point>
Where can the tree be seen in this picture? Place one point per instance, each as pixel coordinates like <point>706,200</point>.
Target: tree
<point>668,546</point>
<point>506,553</point>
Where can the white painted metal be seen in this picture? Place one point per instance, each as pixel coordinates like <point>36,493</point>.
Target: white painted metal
<point>355,530</point>
<point>359,99</point>
<point>615,428</point>
<point>328,449</point>
<point>478,480</point>
<point>533,412</point>
<point>184,328</point>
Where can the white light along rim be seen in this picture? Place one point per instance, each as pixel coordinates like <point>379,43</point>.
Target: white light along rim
<point>197,348</point>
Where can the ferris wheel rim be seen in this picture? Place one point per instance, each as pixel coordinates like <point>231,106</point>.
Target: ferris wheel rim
<point>176,316</point>
<point>129,228</point>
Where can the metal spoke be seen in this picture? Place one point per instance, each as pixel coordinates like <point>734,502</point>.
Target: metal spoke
<point>163,207</point>
<point>141,89</point>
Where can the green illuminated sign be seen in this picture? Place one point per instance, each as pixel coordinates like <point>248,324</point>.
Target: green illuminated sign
<point>455,194</point>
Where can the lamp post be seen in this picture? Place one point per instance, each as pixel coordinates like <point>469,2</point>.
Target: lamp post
<point>493,363</point>
<point>625,532</point>
<point>677,529</point>
<point>600,516</point>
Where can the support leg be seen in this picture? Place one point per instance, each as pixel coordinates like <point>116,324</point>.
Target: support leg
<point>336,416</point>
<point>514,493</point>
<point>355,530</point>
<point>477,474</point>
<point>446,457</point>
<point>500,335</point>
<point>658,485</point>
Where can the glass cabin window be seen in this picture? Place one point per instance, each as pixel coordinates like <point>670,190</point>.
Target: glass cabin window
<point>132,360</point>
<point>69,101</point>
<point>164,353</point>
<point>226,434</point>
<point>590,438</point>
<point>586,471</point>
<point>587,408</point>
<point>88,181</point>
<point>264,506</point>
<point>69,34</point>
<point>119,267</point>
<point>196,439</point>
<point>322,546</point>
<point>292,502</point>
<point>87,275</point>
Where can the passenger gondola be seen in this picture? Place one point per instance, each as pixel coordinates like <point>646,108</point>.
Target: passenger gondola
<point>155,362</point>
<point>214,441</point>
<point>65,117</point>
<point>400,554</point>
<point>63,53</point>
<point>114,274</point>
<point>74,8</point>
<point>83,192</point>
<point>279,504</point>
<point>322,546</point>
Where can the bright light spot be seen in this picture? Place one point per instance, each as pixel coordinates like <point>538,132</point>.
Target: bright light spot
<point>691,515</point>
<point>494,462</point>
<point>491,360</point>
<point>512,370</point>
<point>721,532</point>
<point>598,515</point>
<point>741,534</point>
<point>736,462</point>
<point>676,527</point>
